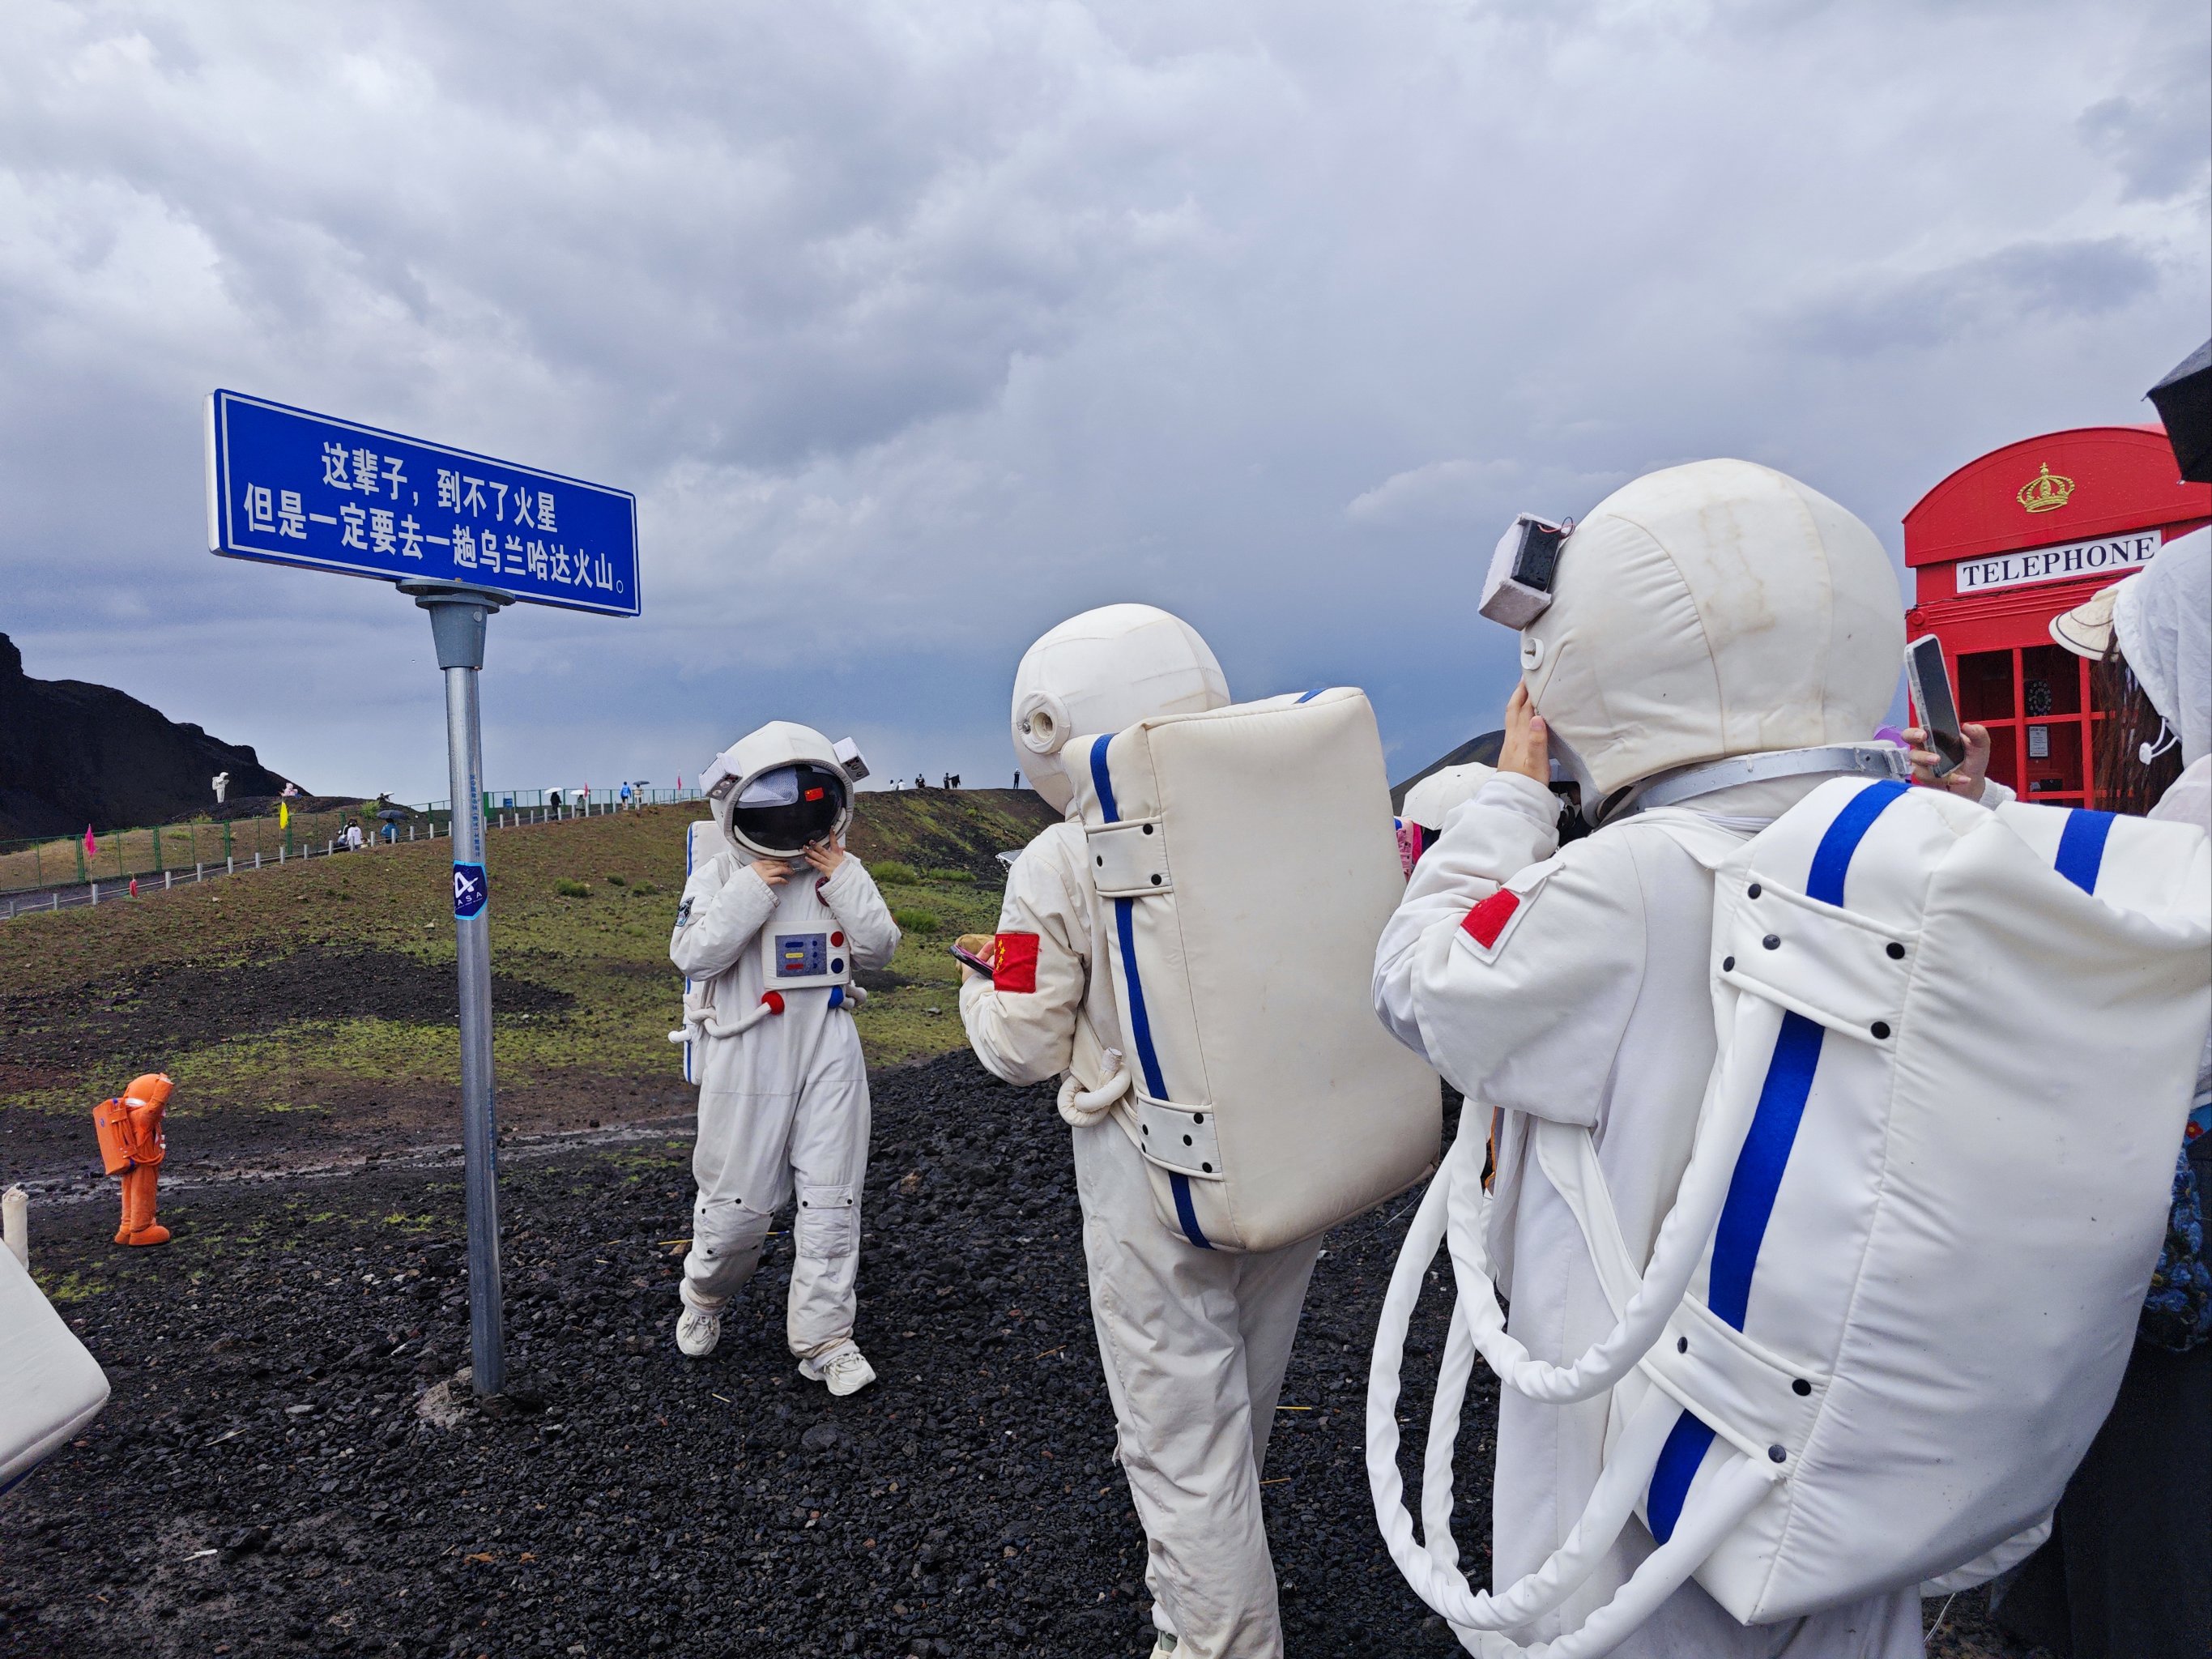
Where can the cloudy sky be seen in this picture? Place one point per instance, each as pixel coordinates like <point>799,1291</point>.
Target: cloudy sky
<point>916,328</point>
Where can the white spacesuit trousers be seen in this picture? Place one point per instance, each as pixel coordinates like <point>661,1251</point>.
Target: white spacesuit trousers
<point>753,1151</point>
<point>1194,1343</point>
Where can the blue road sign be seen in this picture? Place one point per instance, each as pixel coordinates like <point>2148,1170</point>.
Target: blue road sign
<point>292,487</point>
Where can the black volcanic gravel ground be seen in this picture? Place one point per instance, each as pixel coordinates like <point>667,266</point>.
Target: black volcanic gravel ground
<point>265,1480</point>
<point>269,1478</point>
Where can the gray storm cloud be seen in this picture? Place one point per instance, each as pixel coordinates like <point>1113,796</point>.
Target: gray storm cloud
<point>916,329</point>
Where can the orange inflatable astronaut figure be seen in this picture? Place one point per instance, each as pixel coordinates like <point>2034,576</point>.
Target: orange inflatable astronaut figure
<point>131,1145</point>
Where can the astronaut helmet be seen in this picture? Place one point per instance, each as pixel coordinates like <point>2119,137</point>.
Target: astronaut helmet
<point>778,790</point>
<point>1707,611</point>
<point>1103,672</point>
<point>150,1089</point>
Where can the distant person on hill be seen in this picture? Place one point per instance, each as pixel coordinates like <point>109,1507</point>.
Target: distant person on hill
<point>625,797</point>
<point>222,782</point>
<point>132,1145</point>
<point>353,837</point>
<point>768,933</point>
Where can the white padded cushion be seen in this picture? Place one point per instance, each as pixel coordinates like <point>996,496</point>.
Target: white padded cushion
<point>1277,868</point>
<point>50,1387</point>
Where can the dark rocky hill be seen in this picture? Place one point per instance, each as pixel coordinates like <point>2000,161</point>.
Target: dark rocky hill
<point>73,754</point>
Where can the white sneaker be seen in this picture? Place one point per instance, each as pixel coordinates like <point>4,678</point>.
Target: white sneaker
<point>698,1331</point>
<point>844,1368</point>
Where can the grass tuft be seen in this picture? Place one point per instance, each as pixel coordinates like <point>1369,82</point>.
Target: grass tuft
<point>568,887</point>
<point>916,921</point>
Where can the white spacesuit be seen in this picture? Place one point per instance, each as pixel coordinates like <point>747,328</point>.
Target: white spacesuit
<point>1193,1341</point>
<point>769,932</point>
<point>1708,611</point>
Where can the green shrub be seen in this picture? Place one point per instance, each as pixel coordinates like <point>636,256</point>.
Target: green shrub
<point>566,887</point>
<point>895,871</point>
<point>616,881</point>
<point>643,890</point>
<point>916,921</point>
<point>953,875</point>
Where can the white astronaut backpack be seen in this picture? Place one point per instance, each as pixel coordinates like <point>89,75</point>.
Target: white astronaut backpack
<point>1246,862</point>
<point>50,1387</point>
<point>1897,1289</point>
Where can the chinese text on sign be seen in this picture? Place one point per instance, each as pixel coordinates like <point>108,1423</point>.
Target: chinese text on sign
<point>294,488</point>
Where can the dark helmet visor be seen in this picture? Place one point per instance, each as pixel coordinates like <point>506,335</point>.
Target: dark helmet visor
<point>787,809</point>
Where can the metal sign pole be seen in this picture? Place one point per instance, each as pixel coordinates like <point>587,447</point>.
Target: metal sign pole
<point>288,486</point>
<point>458,615</point>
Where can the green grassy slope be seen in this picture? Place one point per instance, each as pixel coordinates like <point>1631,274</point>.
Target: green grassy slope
<point>322,988</point>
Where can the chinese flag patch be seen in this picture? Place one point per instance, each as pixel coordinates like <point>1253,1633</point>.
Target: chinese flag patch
<point>1487,920</point>
<point>1013,962</point>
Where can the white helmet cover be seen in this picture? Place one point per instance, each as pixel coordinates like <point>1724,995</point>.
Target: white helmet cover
<point>1716,609</point>
<point>778,744</point>
<point>1429,802</point>
<point>1101,671</point>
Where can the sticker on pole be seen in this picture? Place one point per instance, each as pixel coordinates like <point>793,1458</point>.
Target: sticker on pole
<point>471,891</point>
<point>289,487</point>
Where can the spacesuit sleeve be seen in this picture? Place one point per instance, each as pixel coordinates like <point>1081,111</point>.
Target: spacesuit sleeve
<point>722,911</point>
<point>1509,823</point>
<point>1022,1025</point>
<point>1519,991</point>
<point>853,897</point>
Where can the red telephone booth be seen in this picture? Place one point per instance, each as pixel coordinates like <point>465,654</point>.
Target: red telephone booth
<point>2007,543</point>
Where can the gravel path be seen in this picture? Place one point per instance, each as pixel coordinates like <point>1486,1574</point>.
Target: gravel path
<point>288,1469</point>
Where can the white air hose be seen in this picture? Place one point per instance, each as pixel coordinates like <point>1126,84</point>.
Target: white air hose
<point>1454,1215</point>
<point>1085,1106</point>
<point>701,1021</point>
<point>1430,1563</point>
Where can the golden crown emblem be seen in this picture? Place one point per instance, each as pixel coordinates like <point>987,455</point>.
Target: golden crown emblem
<point>2046,492</point>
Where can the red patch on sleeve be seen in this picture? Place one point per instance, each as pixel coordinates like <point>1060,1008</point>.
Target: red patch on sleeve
<point>1487,920</point>
<point>1013,963</point>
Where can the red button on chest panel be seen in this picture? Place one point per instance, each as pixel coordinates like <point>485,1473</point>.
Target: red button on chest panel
<point>836,938</point>
<point>1487,920</point>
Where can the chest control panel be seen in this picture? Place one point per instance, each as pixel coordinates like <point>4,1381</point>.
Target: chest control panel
<point>811,956</point>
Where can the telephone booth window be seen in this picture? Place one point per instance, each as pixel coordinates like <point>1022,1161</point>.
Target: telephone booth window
<point>2051,681</point>
<point>1985,686</point>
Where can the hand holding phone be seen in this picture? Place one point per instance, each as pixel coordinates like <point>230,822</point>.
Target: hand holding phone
<point>1930,681</point>
<point>969,959</point>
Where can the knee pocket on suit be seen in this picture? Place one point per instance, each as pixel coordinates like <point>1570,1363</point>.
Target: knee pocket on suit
<point>726,1227</point>
<point>828,1222</point>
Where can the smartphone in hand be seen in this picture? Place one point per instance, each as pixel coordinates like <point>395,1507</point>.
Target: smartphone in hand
<point>1930,681</point>
<point>970,959</point>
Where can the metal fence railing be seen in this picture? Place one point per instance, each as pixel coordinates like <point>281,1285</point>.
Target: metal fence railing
<point>190,851</point>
